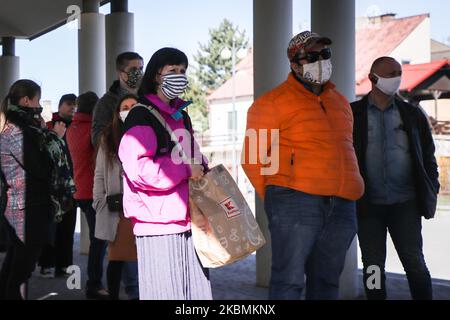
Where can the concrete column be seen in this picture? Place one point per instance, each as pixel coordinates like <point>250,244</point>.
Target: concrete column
<point>336,20</point>
<point>91,71</point>
<point>9,66</point>
<point>91,49</point>
<point>119,36</point>
<point>271,67</point>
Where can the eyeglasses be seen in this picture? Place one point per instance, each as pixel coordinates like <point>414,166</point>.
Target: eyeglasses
<point>314,56</point>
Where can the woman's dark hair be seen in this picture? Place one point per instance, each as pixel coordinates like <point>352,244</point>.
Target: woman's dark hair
<point>161,58</point>
<point>111,135</point>
<point>86,102</point>
<point>20,89</point>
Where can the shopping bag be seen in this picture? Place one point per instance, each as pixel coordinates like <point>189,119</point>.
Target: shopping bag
<point>224,229</point>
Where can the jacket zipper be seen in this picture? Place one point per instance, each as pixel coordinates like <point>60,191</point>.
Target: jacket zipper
<point>323,107</point>
<point>338,147</point>
<point>292,157</point>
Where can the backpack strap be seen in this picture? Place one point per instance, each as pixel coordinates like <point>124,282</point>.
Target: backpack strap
<point>169,130</point>
<point>140,116</point>
<point>188,126</point>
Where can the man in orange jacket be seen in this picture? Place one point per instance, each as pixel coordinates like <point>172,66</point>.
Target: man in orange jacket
<point>307,173</point>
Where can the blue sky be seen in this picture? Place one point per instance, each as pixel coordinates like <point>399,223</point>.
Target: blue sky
<point>51,60</point>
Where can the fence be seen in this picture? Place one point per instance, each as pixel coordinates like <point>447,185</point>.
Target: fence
<point>443,158</point>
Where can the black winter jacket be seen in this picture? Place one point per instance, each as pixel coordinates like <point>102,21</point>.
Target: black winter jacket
<point>422,150</point>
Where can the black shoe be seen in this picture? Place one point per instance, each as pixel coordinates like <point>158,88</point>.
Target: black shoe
<point>100,294</point>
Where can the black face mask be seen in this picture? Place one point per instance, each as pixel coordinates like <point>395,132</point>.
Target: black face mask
<point>32,111</point>
<point>31,115</point>
<point>133,78</point>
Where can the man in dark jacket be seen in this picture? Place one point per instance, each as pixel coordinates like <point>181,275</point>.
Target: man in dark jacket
<point>395,151</point>
<point>59,253</point>
<point>129,66</point>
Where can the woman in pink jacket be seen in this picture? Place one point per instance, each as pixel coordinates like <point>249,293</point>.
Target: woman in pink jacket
<point>156,184</point>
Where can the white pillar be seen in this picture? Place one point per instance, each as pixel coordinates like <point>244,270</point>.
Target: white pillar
<point>91,71</point>
<point>9,66</point>
<point>91,50</point>
<point>272,30</point>
<point>119,36</point>
<point>336,20</point>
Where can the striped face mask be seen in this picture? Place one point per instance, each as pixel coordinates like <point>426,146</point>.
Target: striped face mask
<point>174,84</point>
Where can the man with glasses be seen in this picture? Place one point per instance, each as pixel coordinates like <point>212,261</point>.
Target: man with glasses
<point>310,201</point>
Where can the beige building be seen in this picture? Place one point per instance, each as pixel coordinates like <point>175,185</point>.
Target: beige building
<point>47,112</point>
<point>439,51</point>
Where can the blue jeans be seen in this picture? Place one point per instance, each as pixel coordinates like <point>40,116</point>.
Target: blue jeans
<point>130,279</point>
<point>310,236</point>
<point>97,249</point>
<point>405,227</point>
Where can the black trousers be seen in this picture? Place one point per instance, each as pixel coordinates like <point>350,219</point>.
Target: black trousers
<point>114,277</point>
<point>18,266</point>
<point>404,223</point>
<point>59,253</point>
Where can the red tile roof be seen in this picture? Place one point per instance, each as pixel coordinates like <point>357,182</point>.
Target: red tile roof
<point>371,43</point>
<point>380,40</point>
<point>413,75</point>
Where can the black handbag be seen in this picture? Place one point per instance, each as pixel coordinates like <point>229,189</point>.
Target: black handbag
<point>115,202</point>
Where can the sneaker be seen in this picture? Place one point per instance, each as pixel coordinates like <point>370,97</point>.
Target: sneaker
<point>46,273</point>
<point>62,273</point>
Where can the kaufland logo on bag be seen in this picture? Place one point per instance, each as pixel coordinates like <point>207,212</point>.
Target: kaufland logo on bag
<point>230,208</point>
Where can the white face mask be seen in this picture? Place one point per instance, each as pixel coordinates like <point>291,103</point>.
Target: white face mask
<point>388,86</point>
<point>124,114</point>
<point>318,72</point>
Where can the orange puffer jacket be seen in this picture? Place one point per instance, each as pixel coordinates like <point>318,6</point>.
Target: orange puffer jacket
<point>316,154</point>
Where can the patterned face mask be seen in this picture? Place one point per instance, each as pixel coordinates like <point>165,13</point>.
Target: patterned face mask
<point>318,72</point>
<point>133,78</point>
<point>174,84</point>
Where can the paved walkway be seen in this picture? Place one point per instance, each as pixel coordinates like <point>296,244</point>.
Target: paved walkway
<point>233,282</point>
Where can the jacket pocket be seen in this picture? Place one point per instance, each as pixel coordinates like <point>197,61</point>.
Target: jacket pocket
<point>293,166</point>
<point>292,162</point>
